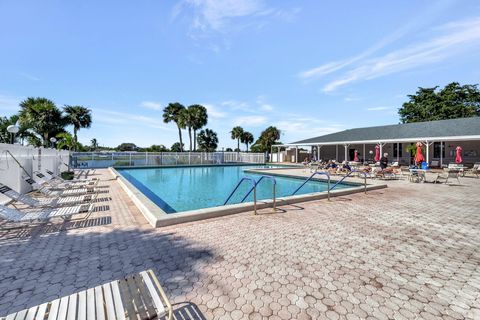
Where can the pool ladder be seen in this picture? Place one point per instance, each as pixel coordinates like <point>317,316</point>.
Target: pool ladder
<point>254,189</point>
<point>336,183</point>
<point>348,175</point>
<point>310,178</point>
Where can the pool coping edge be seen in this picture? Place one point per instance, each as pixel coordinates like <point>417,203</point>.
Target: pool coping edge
<point>156,217</point>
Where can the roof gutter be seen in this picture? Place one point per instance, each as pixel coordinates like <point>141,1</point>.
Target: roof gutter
<point>429,139</point>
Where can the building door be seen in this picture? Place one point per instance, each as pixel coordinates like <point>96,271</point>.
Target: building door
<point>351,154</point>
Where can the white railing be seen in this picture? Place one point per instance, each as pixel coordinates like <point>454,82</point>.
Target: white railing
<point>131,159</point>
<point>30,159</point>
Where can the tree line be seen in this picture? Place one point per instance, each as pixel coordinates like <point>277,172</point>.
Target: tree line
<point>451,102</point>
<point>42,123</point>
<point>39,120</point>
<point>195,117</point>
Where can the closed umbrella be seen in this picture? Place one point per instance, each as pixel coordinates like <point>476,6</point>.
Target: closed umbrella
<point>419,158</point>
<point>458,157</point>
<point>377,154</point>
<point>355,158</point>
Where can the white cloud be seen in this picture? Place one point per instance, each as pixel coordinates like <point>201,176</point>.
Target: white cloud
<point>455,38</point>
<point>378,108</point>
<point>213,112</point>
<point>259,106</point>
<point>302,128</point>
<point>251,121</point>
<point>416,23</point>
<point>151,105</point>
<point>9,103</point>
<point>263,105</point>
<point>214,14</point>
<point>128,119</point>
<point>266,107</point>
<point>350,99</point>
<point>237,105</point>
<point>223,16</point>
<point>331,67</point>
<point>29,76</point>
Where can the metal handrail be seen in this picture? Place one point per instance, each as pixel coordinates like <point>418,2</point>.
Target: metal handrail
<point>310,178</point>
<point>254,183</point>
<point>18,162</point>
<point>348,174</point>
<point>274,189</point>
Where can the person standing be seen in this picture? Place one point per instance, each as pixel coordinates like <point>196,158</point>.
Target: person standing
<point>384,161</point>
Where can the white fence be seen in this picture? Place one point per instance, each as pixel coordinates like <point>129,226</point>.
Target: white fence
<point>29,159</point>
<point>110,159</point>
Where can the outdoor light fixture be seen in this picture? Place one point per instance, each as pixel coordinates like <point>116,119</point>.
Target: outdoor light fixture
<point>13,129</point>
<point>53,140</point>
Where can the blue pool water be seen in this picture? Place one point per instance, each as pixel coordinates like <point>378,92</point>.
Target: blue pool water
<point>189,188</point>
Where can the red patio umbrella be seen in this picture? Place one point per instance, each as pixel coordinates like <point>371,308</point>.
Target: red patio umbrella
<point>355,157</point>
<point>419,158</point>
<point>377,154</point>
<point>458,157</point>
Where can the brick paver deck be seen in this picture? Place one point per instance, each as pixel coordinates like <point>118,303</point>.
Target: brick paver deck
<point>406,252</point>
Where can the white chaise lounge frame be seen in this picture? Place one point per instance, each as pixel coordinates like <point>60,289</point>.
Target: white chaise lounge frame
<point>136,297</point>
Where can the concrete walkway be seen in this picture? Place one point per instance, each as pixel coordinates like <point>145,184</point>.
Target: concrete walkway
<point>409,251</point>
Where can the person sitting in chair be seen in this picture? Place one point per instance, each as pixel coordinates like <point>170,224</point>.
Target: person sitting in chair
<point>331,165</point>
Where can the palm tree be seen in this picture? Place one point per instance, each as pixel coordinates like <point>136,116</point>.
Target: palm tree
<point>268,137</point>
<point>176,147</point>
<point>94,144</point>
<point>247,138</point>
<point>43,117</point>
<point>199,120</point>
<point>66,141</point>
<point>207,140</point>
<point>174,112</point>
<point>237,134</point>
<point>187,117</point>
<point>78,117</point>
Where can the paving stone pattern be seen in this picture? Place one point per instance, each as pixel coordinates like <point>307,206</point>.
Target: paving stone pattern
<point>411,251</point>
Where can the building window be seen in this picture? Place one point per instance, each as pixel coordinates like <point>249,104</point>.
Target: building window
<point>436,149</point>
<point>397,152</point>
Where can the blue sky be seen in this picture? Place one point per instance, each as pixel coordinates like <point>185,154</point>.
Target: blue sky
<point>307,67</point>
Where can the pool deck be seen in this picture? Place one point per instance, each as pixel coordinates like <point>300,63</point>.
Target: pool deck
<point>408,251</point>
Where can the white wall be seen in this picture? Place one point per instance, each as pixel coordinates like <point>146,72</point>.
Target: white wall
<point>31,159</point>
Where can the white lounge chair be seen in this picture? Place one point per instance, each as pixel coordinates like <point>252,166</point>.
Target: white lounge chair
<point>434,164</point>
<point>449,174</point>
<point>42,179</point>
<point>14,216</point>
<point>53,176</point>
<point>46,202</point>
<point>136,297</point>
<point>46,191</point>
<point>417,175</point>
<point>475,170</point>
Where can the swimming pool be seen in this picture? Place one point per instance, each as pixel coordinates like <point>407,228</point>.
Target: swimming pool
<point>178,189</point>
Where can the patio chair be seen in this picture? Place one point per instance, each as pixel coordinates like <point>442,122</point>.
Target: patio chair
<point>475,170</point>
<point>56,177</point>
<point>46,202</point>
<point>431,177</point>
<point>434,164</point>
<point>66,192</point>
<point>55,183</point>
<point>26,218</point>
<point>449,174</point>
<point>385,175</point>
<point>416,175</point>
<point>139,296</point>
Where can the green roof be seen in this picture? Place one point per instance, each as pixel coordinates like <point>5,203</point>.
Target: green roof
<point>431,129</point>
